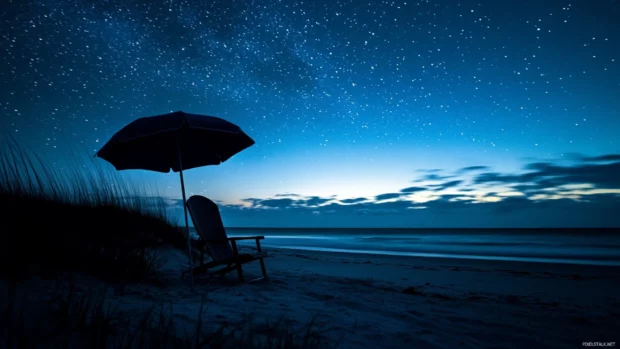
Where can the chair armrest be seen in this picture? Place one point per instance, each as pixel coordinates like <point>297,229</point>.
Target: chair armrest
<point>247,238</point>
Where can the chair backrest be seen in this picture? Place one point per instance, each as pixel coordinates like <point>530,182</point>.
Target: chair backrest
<point>208,223</point>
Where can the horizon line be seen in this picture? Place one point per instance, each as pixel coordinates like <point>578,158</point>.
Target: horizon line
<point>437,228</point>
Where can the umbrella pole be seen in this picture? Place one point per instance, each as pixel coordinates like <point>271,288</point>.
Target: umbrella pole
<point>189,246</point>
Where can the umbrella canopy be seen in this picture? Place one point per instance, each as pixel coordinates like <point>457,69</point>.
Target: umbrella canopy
<point>176,141</point>
<point>153,143</point>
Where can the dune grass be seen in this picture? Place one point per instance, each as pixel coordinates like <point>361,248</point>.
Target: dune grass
<point>78,218</point>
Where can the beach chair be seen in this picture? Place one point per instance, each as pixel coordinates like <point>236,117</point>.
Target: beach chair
<point>213,240</point>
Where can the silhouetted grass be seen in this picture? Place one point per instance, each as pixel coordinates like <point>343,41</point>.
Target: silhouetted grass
<point>87,320</point>
<point>76,218</point>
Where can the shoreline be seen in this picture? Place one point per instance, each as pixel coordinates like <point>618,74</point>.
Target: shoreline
<point>517,259</point>
<point>581,249</point>
<point>602,262</point>
<point>424,261</point>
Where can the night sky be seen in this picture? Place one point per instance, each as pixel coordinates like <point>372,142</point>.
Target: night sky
<point>365,113</point>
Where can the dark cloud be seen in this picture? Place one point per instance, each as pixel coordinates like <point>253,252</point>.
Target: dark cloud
<point>388,196</point>
<point>495,177</point>
<point>600,175</point>
<point>413,189</point>
<point>473,168</point>
<point>548,175</point>
<point>538,166</point>
<point>353,201</point>
<point>316,200</point>
<point>277,203</point>
<point>447,185</point>
<point>288,201</point>
<point>603,158</point>
<point>435,177</point>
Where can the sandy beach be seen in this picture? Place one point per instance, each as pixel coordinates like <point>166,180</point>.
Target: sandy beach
<point>375,301</point>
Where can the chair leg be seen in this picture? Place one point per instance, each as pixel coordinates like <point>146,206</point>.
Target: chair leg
<point>262,267</point>
<point>262,262</point>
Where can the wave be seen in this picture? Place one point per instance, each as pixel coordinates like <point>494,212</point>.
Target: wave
<point>573,248</point>
<point>462,256</point>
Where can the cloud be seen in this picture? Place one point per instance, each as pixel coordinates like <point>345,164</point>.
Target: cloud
<point>495,177</point>
<point>316,200</point>
<point>544,175</point>
<point>447,185</point>
<point>603,158</point>
<point>431,175</point>
<point>434,177</point>
<point>388,196</point>
<point>287,201</point>
<point>353,201</point>
<point>413,189</point>
<point>473,168</point>
<point>277,203</point>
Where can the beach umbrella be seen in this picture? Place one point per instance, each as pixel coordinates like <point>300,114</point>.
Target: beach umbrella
<point>176,141</point>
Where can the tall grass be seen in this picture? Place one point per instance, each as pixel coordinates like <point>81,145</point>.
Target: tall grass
<point>82,181</point>
<point>88,320</point>
<point>79,217</point>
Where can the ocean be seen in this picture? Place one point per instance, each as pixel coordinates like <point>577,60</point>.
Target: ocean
<point>573,246</point>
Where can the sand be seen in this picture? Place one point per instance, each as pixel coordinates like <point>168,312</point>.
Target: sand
<point>396,302</point>
<point>379,301</point>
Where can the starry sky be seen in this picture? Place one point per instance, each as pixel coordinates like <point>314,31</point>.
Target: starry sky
<point>365,113</point>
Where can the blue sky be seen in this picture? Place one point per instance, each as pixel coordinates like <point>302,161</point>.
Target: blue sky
<point>345,100</point>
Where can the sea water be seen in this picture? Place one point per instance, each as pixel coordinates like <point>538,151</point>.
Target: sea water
<point>574,246</point>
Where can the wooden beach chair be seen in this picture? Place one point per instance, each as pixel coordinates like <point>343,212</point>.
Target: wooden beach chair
<point>213,240</point>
